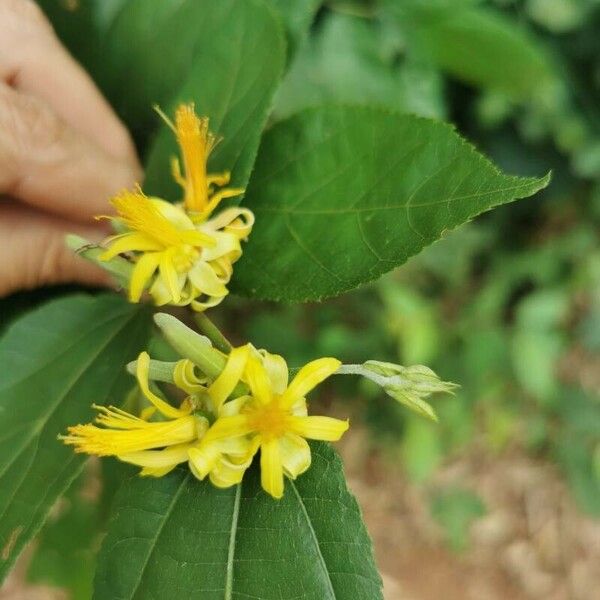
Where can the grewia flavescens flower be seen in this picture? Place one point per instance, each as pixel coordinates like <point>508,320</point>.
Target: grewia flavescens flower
<point>220,425</point>
<point>157,446</point>
<point>183,252</point>
<point>272,418</point>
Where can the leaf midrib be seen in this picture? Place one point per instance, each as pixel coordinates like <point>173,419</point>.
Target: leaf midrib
<point>232,542</point>
<point>339,211</point>
<point>314,538</point>
<point>154,539</point>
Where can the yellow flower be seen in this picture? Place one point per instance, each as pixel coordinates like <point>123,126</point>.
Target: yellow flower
<point>273,417</point>
<point>183,262</point>
<point>156,446</point>
<point>182,252</point>
<point>196,143</point>
<point>251,407</point>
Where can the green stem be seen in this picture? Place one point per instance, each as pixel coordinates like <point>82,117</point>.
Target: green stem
<point>212,332</point>
<point>118,267</point>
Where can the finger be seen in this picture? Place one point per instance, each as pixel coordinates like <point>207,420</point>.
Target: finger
<point>33,251</point>
<point>48,164</point>
<point>33,60</point>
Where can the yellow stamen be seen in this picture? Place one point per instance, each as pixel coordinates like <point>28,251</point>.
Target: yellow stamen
<point>196,142</point>
<point>138,213</point>
<point>129,434</point>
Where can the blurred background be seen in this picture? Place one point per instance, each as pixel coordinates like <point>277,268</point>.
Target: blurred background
<point>502,497</point>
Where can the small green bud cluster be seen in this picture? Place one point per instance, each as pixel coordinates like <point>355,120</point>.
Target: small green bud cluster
<point>408,385</point>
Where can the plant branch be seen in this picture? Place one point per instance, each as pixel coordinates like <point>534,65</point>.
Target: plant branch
<point>212,332</point>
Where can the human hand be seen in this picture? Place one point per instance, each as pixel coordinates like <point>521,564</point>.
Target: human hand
<point>63,153</point>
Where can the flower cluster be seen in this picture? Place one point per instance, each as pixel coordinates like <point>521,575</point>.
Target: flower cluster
<point>183,253</point>
<point>237,402</point>
<point>221,424</point>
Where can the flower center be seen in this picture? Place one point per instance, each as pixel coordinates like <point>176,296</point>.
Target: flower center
<point>270,421</point>
<point>184,258</point>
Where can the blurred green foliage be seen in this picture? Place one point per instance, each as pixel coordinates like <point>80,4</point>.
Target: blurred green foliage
<point>455,509</point>
<point>66,548</point>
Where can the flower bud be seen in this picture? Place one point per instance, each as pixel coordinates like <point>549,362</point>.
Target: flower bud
<point>190,344</point>
<point>117,267</point>
<point>418,378</point>
<point>195,347</point>
<point>408,385</point>
<point>158,371</point>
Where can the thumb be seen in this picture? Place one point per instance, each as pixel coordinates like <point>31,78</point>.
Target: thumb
<point>33,251</point>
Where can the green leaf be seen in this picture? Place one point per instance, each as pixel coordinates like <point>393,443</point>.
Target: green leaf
<point>226,56</point>
<point>76,26</point>
<point>233,80</point>
<point>342,195</point>
<point>477,44</point>
<point>296,17</point>
<point>56,362</point>
<point>177,537</point>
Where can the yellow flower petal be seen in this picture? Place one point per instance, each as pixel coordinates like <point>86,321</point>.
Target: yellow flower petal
<point>299,408</point>
<point>204,278</point>
<point>295,454</point>
<point>129,242</point>
<point>169,457</point>
<point>271,469</point>
<point>199,306</point>
<point>156,471</point>
<point>309,377</point>
<point>207,455</point>
<point>142,272</point>
<point>160,292</point>
<point>223,268</point>
<point>221,195</point>
<point>227,473</point>
<point>234,407</point>
<point>229,377</point>
<point>277,370</point>
<point>258,380</point>
<point>169,275</point>
<point>173,213</point>
<point>226,427</point>
<point>236,220</point>
<point>143,368</point>
<point>185,378</point>
<point>240,449</point>
<point>202,459</point>
<point>318,428</point>
<point>225,244</point>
